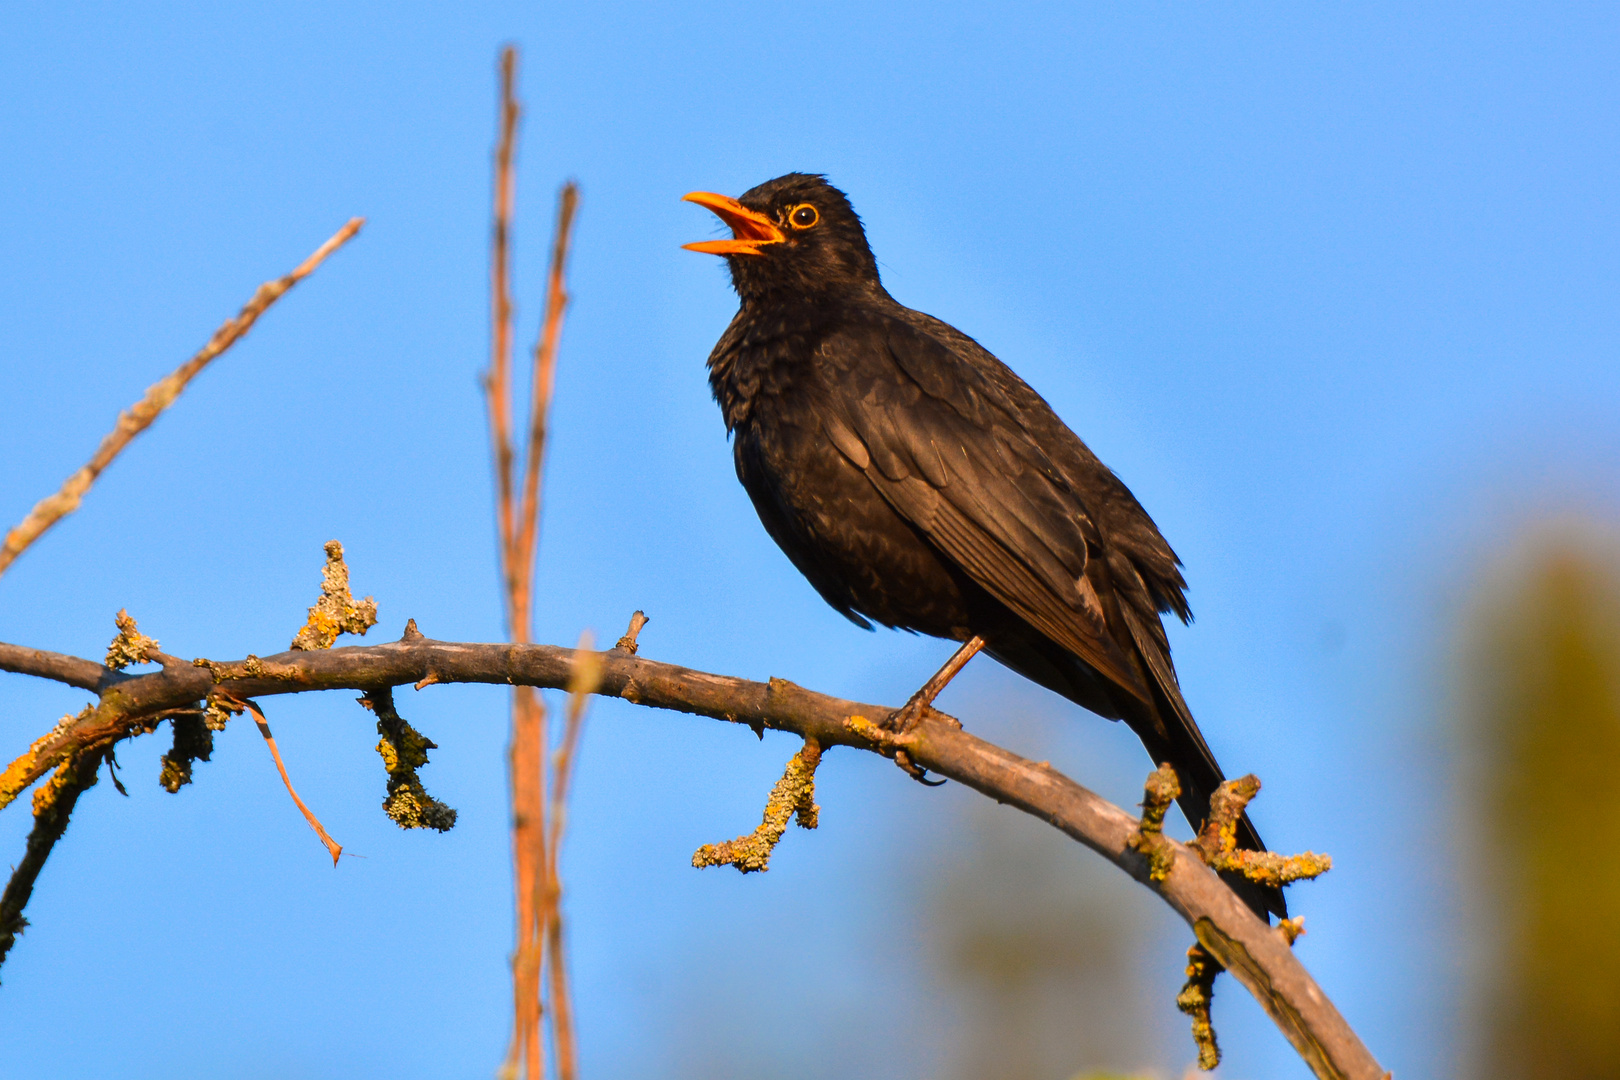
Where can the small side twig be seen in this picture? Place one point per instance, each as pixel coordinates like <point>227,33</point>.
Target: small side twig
<point>130,646</point>
<point>336,612</point>
<point>332,846</point>
<point>1196,996</point>
<point>404,750</point>
<point>1158,794</point>
<point>627,643</point>
<point>159,397</point>
<point>1217,841</point>
<point>793,796</point>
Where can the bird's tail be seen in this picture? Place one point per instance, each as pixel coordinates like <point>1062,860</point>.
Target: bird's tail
<point>1166,729</point>
<point>1170,734</point>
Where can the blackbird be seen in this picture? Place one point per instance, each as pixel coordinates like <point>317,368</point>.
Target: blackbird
<point>917,482</point>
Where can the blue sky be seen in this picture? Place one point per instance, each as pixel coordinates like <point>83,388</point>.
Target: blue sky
<point>1332,289</point>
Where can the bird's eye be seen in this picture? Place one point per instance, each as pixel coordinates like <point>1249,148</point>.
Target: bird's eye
<point>803,216</point>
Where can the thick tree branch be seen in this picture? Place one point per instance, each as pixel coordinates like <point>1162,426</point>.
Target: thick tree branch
<point>1256,954</point>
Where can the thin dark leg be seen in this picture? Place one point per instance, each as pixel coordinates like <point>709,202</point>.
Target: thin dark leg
<point>909,714</point>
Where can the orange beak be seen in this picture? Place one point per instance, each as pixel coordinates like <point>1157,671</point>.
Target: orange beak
<point>750,230</point>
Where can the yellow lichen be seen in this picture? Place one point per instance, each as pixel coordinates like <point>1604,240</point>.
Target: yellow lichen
<point>1158,793</point>
<point>404,750</point>
<point>1217,841</point>
<point>792,797</point>
<point>129,646</point>
<point>15,780</point>
<point>336,612</point>
<point>1196,996</point>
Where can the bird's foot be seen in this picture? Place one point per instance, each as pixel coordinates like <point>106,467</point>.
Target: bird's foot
<point>914,770</point>
<point>909,715</point>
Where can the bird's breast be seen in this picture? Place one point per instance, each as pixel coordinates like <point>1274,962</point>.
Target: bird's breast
<point>835,526</point>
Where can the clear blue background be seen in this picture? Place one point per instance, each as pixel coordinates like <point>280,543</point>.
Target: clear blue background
<point>1333,289</point>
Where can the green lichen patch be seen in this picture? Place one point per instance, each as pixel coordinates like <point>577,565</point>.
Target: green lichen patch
<point>193,741</point>
<point>404,750</point>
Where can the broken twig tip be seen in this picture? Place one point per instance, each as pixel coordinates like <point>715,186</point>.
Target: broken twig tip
<point>627,643</point>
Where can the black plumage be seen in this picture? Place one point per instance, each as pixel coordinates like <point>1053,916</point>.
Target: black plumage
<point>917,482</point>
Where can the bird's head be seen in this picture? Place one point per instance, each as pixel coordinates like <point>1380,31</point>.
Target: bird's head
<point>794,234</point>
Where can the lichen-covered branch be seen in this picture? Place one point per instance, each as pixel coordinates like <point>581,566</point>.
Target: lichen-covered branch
<point>792,798</point>
<point>160,396</point>
<point>1158,794</point>
<point>1256,954</point>
<point>336,612</point>
<point>1217,841</point>
<point>404,750</point>
<point>53,806</point>
<point>1196,996</point>
<point>130,646</point>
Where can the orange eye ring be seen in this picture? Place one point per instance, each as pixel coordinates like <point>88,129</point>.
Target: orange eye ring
<point>803,216</point>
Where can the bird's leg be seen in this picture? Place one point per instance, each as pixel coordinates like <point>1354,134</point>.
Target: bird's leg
<point>908,715</point>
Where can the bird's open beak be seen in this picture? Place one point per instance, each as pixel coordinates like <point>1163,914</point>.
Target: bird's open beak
<point>750,229</point>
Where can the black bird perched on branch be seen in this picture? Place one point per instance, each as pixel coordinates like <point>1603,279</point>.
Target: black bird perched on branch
<point>917,482</point>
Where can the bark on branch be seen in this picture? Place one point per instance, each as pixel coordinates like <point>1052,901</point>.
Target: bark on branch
<point>1258,956</point>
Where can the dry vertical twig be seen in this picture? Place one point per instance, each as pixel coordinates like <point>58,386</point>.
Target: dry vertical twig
<point>158,397</point>
<point>585,681</point>
<point>528,717</point>
<point>545,377</point>
<point>332,846</point>
<point>518,522</point>
<point>498,380</point>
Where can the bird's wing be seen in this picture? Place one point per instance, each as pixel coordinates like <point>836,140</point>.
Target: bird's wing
<point>949,454</point>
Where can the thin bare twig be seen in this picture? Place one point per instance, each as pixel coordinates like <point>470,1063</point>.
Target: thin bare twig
<point>159,397</point>
<point>518,522</point>
<point>545,377</point>
<point>528,716</point>
<point>498,380</point>
<point>333,848</point>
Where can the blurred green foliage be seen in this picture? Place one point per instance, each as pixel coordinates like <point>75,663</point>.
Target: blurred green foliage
<point>1041,948</point>
<point>1542,680</point>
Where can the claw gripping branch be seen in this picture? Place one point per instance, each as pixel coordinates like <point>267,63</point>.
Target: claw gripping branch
<point>794,796</point>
